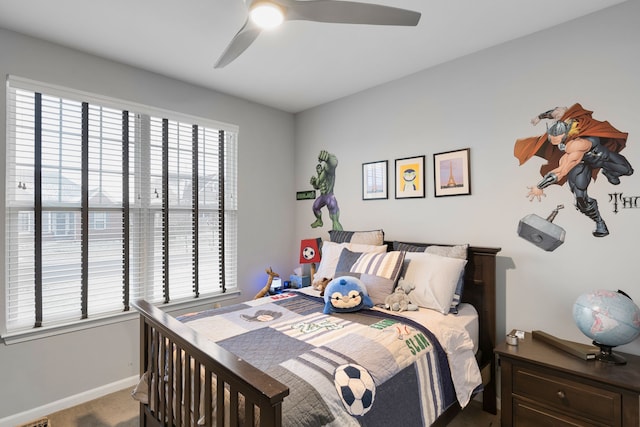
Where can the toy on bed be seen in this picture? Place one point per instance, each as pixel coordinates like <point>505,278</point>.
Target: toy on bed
<point>399,300</point>
<point>345,294</point>
<point>321,285</point>
<point>271,274</point>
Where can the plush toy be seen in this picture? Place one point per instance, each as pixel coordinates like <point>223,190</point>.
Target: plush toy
<point>344,294</point>
<point>400,300</point>
<point>271,274</point>
<point>321,285</point>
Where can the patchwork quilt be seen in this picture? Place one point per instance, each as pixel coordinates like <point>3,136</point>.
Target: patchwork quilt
<point>364,368</point>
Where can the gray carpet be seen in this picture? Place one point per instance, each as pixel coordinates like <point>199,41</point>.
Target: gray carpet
<point>120,410</point>
<point>113,410</point>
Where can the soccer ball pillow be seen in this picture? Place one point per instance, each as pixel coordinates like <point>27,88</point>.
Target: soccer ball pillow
<point>355,387</point>
<point>345,294</point>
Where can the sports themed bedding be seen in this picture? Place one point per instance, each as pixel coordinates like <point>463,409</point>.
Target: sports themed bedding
<point>290,360</point>
<point>368,367</point>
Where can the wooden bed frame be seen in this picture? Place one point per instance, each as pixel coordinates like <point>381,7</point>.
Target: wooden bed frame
<point>250,391</point>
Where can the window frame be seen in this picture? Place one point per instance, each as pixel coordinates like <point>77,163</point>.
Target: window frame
<point>231,291</point>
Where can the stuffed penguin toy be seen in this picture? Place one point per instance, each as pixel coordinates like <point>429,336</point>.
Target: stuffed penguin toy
<point>344,294</point>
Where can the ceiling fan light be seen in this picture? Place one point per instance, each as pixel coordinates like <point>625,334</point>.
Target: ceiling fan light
<point>266,14</point>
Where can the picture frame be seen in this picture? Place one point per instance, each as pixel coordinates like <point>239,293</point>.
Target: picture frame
<point>451,173</point>
<point>375,180</point>
<point>410,177</point>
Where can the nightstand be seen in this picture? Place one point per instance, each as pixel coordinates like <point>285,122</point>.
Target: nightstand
<point>544,386</point>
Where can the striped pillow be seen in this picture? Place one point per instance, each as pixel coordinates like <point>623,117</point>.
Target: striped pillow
<point>373,237</point>
<point>387,265</point>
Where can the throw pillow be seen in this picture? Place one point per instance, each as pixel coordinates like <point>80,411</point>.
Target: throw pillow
<point>372,237</point>
<point>331,256</point>
<point>435,278</point>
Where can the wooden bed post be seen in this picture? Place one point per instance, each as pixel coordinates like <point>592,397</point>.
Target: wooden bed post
<point>484,274</point>
<point>161,335</point>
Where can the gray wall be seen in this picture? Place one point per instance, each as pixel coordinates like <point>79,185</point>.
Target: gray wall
<point>47,370</point>
<point>485,101</point>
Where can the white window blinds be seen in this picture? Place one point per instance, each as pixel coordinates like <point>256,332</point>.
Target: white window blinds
<point>106,204</point>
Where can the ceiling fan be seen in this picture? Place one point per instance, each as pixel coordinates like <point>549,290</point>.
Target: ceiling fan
<point>275,12</point>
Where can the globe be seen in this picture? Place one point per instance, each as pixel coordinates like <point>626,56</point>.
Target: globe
<point>609,318</point>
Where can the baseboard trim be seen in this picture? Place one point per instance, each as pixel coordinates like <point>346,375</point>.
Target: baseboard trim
<point>67,402</point>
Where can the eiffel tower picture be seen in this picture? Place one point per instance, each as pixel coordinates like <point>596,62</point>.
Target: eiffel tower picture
<point>452,180</point>
<point>452,173</point>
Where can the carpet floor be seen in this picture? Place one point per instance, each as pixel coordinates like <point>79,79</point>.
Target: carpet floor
<point>120,410</point>
<point>113,410</point>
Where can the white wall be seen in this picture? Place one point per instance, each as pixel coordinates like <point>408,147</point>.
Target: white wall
<point>485,101</point>
<point>53,369</point>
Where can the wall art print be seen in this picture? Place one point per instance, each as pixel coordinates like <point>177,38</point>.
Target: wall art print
<point>324,180</point>
<point>576,147</point>
<point>374,180</point>
<point>451,172</point>
<point>410,177</point>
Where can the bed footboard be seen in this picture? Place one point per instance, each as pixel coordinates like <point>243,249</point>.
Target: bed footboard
<point>228,391</point>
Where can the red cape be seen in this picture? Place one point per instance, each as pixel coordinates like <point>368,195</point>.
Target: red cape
<point>540,146</point>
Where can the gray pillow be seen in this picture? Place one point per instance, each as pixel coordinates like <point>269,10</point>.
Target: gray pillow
<point>372,237</point>
<point>346,261</point>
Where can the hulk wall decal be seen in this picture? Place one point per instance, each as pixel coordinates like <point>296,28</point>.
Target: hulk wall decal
<point>324,180</point>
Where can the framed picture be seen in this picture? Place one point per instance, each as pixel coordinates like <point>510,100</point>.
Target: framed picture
<point>374,180</point>
<point>410,177</point>
<point>451,173</point>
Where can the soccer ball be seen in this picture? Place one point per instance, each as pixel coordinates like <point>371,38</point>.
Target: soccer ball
<point>355,388</point>
<point>308,253</point>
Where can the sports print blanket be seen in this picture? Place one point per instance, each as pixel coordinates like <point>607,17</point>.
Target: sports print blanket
<point>364,368</point>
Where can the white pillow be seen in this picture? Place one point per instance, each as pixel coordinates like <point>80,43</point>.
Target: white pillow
<point>435,278</point>
<point>331,255</point>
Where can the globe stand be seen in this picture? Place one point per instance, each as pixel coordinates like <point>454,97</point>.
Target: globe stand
<point>607,356</point>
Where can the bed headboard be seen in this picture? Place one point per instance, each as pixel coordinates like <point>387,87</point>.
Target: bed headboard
<point>480,291</point>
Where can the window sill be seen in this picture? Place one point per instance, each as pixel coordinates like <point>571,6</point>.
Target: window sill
<point>50,331</point>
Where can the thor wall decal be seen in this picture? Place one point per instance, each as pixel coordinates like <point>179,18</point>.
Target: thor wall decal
<point>576,147</point>
<point>324,181</point>
<point>621,201</point>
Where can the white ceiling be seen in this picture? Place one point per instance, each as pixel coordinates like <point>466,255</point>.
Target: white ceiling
<point>297,66</point>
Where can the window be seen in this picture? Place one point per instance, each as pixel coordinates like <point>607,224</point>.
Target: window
<point>98,220</point>
<point>108,203</point>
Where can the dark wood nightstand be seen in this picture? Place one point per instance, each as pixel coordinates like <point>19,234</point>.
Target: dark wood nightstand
<point>544,386</point>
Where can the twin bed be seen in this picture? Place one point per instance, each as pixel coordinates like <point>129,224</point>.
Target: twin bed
<point>280,360</point>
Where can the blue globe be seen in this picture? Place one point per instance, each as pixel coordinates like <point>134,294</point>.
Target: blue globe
<point>609,318</point>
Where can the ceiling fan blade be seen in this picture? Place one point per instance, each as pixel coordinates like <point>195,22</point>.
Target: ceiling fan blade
<point>348,12</point>
<point>240,42</point>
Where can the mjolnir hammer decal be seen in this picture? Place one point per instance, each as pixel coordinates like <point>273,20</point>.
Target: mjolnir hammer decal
<point>542,232</point>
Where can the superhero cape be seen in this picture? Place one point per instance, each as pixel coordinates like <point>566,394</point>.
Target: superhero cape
<point>540,146</point>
